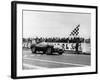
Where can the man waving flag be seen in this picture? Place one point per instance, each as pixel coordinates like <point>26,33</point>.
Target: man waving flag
<point>74,34</point>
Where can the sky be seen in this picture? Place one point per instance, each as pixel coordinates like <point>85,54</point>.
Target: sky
<point>55,24</point>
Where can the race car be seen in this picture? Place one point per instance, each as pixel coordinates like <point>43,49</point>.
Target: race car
<point>46,48</point>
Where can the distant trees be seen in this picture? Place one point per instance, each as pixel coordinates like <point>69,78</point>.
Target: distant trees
<point>87,40</point>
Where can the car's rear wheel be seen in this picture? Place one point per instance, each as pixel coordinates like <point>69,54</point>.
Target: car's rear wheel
<point>33,49</point>
<point>49,51</point>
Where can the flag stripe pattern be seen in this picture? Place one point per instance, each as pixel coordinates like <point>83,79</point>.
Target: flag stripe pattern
<point>75,32</point>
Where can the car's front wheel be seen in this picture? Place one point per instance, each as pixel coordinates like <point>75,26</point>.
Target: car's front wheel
<point>33,49</point>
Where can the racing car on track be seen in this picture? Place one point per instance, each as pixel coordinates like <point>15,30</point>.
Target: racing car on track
<point>46,48</point>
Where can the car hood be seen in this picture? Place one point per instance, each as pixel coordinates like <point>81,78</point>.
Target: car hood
<point>43,44</point>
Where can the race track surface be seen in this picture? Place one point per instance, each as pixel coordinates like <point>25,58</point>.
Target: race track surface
<point>42,61</point>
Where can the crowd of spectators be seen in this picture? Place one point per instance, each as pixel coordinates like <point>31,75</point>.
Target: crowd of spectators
<point>57,39</point>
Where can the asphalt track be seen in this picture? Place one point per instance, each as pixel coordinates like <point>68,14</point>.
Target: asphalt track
<point>39,61</point>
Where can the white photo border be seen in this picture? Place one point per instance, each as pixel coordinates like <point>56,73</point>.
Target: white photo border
<point>17,15</point>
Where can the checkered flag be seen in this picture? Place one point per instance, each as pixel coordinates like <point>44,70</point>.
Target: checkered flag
<point>75,32</point>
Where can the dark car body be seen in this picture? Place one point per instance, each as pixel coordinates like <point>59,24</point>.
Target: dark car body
<point>45,48</point>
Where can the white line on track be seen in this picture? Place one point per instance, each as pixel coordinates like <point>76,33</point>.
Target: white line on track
<point>55,62</point>
<point>33,66</point>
